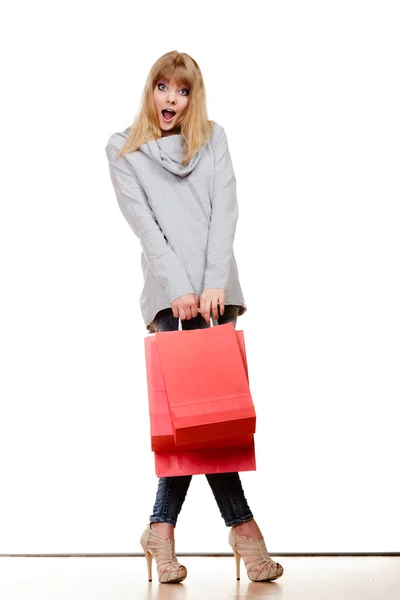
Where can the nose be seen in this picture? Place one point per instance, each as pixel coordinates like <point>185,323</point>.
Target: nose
<point>171,98</point>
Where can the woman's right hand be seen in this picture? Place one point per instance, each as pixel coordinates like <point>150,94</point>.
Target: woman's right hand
<point>185,307</point>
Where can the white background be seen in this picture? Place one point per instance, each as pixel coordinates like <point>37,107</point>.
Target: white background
<point>308,93</point>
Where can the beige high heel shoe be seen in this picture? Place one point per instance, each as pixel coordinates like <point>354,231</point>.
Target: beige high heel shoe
<point>258,563</point>
<point>163,549</point>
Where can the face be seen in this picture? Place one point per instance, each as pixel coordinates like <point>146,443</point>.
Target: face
<point>169,95</point>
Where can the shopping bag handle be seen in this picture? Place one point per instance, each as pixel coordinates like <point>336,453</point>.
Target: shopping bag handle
<point>213,323</point>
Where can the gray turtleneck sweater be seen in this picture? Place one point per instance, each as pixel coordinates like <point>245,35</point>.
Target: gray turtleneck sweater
<point>184,216</point>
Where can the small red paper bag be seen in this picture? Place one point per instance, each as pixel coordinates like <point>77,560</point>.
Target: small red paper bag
<point>206,383</point>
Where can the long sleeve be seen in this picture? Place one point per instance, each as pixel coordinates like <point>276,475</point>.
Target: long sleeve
<point>132,200</point>
<point>224,216</point>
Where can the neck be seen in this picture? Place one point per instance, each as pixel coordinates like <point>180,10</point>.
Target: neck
<point>174,131</point>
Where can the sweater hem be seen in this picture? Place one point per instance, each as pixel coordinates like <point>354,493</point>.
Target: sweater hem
<point>150,326</point>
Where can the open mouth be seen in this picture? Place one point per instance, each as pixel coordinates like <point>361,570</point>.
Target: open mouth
<point>168,115</point>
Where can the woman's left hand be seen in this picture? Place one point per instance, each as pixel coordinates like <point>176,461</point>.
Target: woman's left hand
<point>209,300</point>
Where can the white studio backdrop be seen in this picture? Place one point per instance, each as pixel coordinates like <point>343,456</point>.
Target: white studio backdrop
<point>308,94</point>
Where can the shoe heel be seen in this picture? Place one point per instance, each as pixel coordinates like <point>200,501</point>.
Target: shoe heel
<point>237,559</point>
<point>149,560</point>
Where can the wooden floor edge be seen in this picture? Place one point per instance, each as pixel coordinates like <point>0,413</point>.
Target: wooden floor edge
<point>201,554</point>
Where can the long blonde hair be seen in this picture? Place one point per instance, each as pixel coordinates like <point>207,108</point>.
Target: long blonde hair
<point>194,124</point>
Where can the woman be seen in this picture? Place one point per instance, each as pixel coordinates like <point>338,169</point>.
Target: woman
<point>175,185</point>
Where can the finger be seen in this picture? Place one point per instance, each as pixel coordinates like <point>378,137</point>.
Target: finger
<point>221,305</point>
<point>207,310</point>
<point>175,311</point>
<point>195,306</point>
<point>202,305</point>
<point>182,314</point>
<point>215,309</point>
<point>188,312</point>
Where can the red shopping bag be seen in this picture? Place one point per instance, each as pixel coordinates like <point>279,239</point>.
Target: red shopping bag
<point>197,462</point>
<point>206,383</point>
<point>162,435</point>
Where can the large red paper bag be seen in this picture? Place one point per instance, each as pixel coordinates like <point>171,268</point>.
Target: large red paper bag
<point>162,438</point>
<point>206,384</point>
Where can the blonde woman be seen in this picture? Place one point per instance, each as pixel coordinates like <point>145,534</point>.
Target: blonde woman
<point>175,185</point>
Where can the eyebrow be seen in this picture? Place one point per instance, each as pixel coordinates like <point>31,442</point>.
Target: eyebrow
<point>182,84</point>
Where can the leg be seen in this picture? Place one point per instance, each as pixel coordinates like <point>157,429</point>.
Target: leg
<point>158,538</point>
<point>228,492</point>
<point>170,496</point>
<point>227,487</point>
<point>171,491</point>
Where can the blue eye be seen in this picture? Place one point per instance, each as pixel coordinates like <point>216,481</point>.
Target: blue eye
<point>182,90</point>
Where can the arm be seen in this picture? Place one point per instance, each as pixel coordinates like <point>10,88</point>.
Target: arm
<point>162,260</point>
<point>224,215</point>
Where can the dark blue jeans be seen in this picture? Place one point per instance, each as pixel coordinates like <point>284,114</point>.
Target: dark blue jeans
<point>226,487</point>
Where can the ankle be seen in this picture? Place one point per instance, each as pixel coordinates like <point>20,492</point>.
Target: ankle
<point>163,529</point>
<point>249,529</point>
